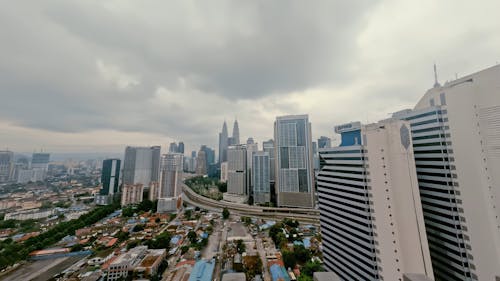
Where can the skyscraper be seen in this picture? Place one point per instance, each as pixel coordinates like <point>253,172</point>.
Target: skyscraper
<point>171,175</point>
<point>223,143</point>
<point>6,165</point>
<point>261,177</point>
<point>371,218</point>
<point>180,148</point>
<point>141,165</point>
<point>40,166</point>
<point>252,147</point>
<point>236,133</point>
<point>201,163</point>
<point>456,135</point>
<point>110,180</point>
<point>324,142</point>
<point>40,161</point>
<point>268,146</point>
<point>294,173</point>
<point>171,180</point>
<point>237,170</point>
<point>173,148</point>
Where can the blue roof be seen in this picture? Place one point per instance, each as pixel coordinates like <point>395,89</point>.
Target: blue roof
<point>175,239</point>
<point>202,271</point>
<point>278,273</point>
<point>204,235</point>
<point>307,243</point>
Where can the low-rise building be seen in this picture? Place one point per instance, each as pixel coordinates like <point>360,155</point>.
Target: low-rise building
<point>202,271</point>
<point>32,214</point>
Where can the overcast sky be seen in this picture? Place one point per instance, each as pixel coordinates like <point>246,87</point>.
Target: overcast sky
<point>85,76</point>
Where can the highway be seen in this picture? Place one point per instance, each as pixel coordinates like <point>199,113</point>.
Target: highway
<point>309,216</point>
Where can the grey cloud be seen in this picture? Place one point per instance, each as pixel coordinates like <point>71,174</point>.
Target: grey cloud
<point>241,50</point>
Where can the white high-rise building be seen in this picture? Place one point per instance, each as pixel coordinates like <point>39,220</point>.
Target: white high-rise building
<point>171,181</point>
<point>132,194</point>
<point>6,165</point>
<point>268,146</point>
<point>141,165</point>
<point>223,172</point>
<point>456,139</point>
<point>370,213</point>
<point>261,177</point>
<point>294,173</point>
<point>237,170</point>
<point>252,147</point>
<point>40,165</point>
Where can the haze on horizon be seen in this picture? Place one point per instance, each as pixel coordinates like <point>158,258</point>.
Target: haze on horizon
<point>94,76</point>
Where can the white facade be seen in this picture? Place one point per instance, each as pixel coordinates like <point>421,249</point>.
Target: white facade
<point>261,177</point>
<point>6,165</point>
<point>166,205</point>
<point>237,170</point>
<point>370,212</point>
<point>33,214</point>
<point>223,171</point>
<point>132,194</point>
<point>33,175</point>
<point>456,134</point>
<point>294,173</point>
<point>171,175</point>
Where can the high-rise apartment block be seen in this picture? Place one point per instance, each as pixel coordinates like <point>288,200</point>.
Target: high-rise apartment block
<point>237,171</point>
<point>141,165</point>
<point>261,177</point>
<point>171,182</point>
<point>252,147</point>
<point>370,212</point>
<point>201,163</point>
<point>132,194</point>
<point>268,146</point>
<point>456,141</point>
<point>40,166</point>
<point>171,175</point>
<point>6,165</point>
<point>223,172</point>
<point>294,173</point>
<point>110,180</point>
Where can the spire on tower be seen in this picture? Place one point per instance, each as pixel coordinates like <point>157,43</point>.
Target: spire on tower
<point>436,83</point>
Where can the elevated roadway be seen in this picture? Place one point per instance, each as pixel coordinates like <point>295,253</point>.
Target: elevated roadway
<point>310,216</point>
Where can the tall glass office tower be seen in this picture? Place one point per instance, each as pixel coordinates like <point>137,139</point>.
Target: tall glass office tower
<point>294,173</point>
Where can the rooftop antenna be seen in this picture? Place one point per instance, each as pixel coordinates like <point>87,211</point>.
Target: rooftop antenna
<point>436,83</point>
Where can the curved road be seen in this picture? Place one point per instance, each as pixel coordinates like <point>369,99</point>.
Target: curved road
<point>310,216</point>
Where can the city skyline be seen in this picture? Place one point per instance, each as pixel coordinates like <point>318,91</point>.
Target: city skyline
<point>153,82</point>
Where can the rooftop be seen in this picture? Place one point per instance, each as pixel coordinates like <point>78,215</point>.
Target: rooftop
<point>202,271</point>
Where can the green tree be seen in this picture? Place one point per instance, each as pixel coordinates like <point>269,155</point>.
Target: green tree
<point>76,248</point>
<point>145,205</point>
<point>289,259</point>
<point>138,227</point>
<point>225,214</point>
<point>127,212</point>
<point>310,267</point>
<point>302,254</point>
<point>187,214</point>
<point>184,249</point>
<point>240,246</point>
<point>192,236</point>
